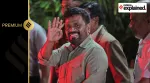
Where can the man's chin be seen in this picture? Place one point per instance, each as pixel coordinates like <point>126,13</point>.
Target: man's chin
<point>138,37</point>
<point>74,42</point>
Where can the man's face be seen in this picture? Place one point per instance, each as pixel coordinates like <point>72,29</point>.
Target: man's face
<point>93,22</point>
<point>139,25</point>
<point>68,4</point>
<point>76,29</point>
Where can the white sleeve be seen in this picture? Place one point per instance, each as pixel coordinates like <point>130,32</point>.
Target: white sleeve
<point>147,71</point>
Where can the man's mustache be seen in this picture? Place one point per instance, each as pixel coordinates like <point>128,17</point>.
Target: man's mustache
<point>74,32</point>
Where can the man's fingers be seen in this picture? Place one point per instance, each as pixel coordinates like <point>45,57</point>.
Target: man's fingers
<point>54,23</point>
<point>49,24</point>
<point>57,22</point>
<point>61,24</point>
<point>61,34</point>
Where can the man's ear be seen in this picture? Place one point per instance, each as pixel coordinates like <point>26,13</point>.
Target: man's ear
<point>96,19</point>
<point>88,28</point>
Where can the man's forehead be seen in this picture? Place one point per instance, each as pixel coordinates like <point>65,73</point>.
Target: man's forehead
<point>132,15</point>
<point>74,18</point>
<point>137,15</point>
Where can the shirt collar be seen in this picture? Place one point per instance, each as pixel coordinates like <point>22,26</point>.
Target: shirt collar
<point>86,42</point>
<point>145,40</point>
<point>94,35</point>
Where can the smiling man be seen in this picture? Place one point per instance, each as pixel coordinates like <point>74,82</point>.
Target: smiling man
<point>80,60</point>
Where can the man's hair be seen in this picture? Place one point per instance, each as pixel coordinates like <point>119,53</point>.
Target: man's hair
<point>77,11</point>
<point>148,5</point>
<point>95,11</point>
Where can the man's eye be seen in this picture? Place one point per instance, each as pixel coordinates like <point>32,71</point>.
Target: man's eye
<point>76,25</point>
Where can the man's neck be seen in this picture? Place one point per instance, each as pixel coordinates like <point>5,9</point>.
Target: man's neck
<point>97,26</point>
<point>146,35</point>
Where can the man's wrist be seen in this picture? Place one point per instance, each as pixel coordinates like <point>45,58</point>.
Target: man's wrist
<point>50,42</point>
<point>49,46</point>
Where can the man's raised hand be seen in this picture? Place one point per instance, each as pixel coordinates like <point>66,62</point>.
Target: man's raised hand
<point>54,30</point>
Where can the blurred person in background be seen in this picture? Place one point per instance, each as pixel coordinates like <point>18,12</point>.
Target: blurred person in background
<point>37,72</point>
<point>140,25</point>
<point>118,71</point>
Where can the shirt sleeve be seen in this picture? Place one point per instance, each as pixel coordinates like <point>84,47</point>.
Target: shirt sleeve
<point>54,58</point>
<point>118,62</point>
<point>147,71</point>
<point>146,54</point>
<point>147,74</point>
<point>97,65</point>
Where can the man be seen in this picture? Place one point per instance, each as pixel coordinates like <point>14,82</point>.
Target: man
<point>37,40</point>
<point>115,49</point>
<point>81,60</point>
<point>118,71</point>
<point>65,4</point>
<point>140,25</point>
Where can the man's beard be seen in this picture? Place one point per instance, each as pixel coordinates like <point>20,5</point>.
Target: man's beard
<point>74,37</point>
<point>135,34</point>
